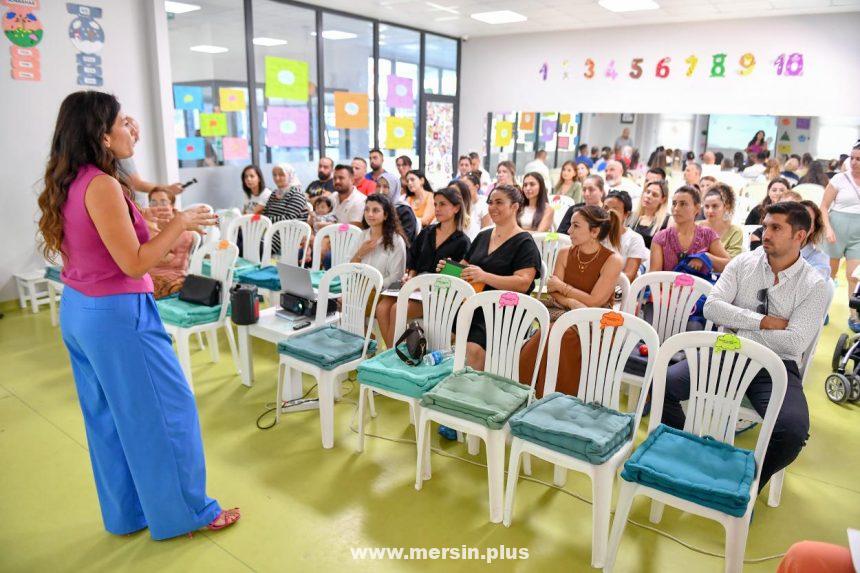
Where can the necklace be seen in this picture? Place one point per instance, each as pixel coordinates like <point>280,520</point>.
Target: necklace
<point>582,265</point>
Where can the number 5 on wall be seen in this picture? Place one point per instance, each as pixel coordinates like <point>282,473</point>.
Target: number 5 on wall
<point>636,68</point>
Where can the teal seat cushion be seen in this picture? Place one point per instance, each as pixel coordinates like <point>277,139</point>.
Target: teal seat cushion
<point>267,278</point>
<point>480,397</point>
<point>563,423</point>
<point>327,347</point>
<point>52,273</point>
<point>699,469</point>
<point>388,372</point>
<point>185,314</point>
<point>241,263</point>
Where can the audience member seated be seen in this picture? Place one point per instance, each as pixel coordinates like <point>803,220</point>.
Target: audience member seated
<point>810,252</point>
<point>633,250</point>
<point>584,276</point>
<point>706,183</point>
<point>504,258</point>
<point>789,195</point>
<point>419,196</point>
<point>771,171</point>
<point>692,173</point>
<point>168,275</point>
<point>571,178</point>
<point>676,243</point>
<point>775,189</point>
<point>773,297</point>
<point>652,214</point>
<point>389,184</point>
<point>789,171</point>
<point>404,166</point>
<point>347,201</point>
<point>324,210</point>
<point>719,206</point>
<point>615,180</point>
<point>287,202</point>
<point>477,166</point>
<point>325,182</point>
<point>592,195</point>
<point>815,175</point>
<point>506,174</point>
<point>537,215</point>
<point>364,185</point>
<point>479,216</point>
<point>255,190</point>
<point>464,165</point>
<point>383,246</point>
<point>758,167</point>
<point>376,164</point>
<point>442,240</point>
<point>538,165</point>
<point>583,156</point>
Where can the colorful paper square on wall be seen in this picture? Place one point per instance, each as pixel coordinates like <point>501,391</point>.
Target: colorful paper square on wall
<point>527,120</point>
<point>803,122</point>
<point>563,142</point>
<point>213,124</point>
<point>187,97</point>
<point>400,93</point>
<point>784,148</point>
<point>286,79</point>
<point>190,148</point>
<point>503,134</point>
<point>235,148</point>
<point>287,127</point>
<point>564,119</point>
<point>350,110</point>
<point>232,99</point>
<point>547,129</point>
<point>399,133</point>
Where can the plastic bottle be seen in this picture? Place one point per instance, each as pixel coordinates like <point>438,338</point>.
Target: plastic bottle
<point>436,357</point>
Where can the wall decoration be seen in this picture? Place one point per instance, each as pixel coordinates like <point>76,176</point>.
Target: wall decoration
<point>691,62</point>
<point>784,148</point>
<point>232,99</point>
<point>235,148</point>
<point>564,119</point>
<point>399,133</point>
<point>400,93</point>
<point>503,134</point>
<point>785,136</point>
<point>802,138</point>
<point>785,121</point>
<point>190,148</point>
<point>350,110</point>
<point>286,79</point>
<point>563,142</point>
<point>718,66</point>
<point>187,97</point>
<point>527,121</point>
<point>213,124</point>
<point>547,129</point>
<point>88,38</point>
<point>589,69</point>
<point>803,122</point>
<point>543,71</point>
<point>636,68</point>
<point>287,126</point>
<point>793,66</point>
<point>747,63</point>
<point>22,27</point>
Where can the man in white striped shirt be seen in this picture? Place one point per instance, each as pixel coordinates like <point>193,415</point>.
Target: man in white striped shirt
<point>774,297</point>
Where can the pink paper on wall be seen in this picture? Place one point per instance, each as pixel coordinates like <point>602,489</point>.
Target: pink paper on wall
<point>235,148</point>
<point>287,127</point>
<point>400,93</point>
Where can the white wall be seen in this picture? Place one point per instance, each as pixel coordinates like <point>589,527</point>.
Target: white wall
<point>501,73</point>
<point>29,111</point>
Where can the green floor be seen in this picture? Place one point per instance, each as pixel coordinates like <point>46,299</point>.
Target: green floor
<point>303,507</point>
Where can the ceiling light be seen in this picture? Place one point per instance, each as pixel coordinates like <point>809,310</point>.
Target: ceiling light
<point>338,35</point>
<point>206,49</point>
<point>442,8</point>
<point>628,5</point>
<point>269,42</point>
<point>447,18</point>
<point>499,17</point>
<point>179,7</point>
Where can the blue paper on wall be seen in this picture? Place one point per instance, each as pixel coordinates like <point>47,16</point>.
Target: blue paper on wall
<point>187,97</point>
<point>190,148</point>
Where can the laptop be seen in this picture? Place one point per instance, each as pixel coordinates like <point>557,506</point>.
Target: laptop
<point>296,281</point>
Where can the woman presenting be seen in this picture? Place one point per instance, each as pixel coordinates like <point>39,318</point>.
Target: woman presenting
<point>139,413</point>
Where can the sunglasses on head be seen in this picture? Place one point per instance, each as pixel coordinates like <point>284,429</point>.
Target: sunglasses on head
<point>764,302</point>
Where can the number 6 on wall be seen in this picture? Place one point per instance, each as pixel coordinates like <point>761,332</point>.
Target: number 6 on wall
<point>663,68</point>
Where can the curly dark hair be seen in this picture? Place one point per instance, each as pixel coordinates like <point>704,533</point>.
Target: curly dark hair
<point>391,224</point>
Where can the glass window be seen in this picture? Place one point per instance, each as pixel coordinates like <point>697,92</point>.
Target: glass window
<point>440,65</point>
<point>399,53</point>
<point>501,136</point>
<point>285,65</point>
<point>210,89</point>
<point>348,46</point>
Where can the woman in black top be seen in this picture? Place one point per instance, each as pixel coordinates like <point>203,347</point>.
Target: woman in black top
<point>285,203</point>
<point>441,240</point>
<point>504,258</point>
<point>775,189</point>
<point>652,215</point>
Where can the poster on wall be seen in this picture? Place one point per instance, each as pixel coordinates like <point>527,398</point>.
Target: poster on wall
<point>213,124</point>
<point>190,148</point>
<point>503,134</point>
<point>22,27</point>
<point>287,126</point>
<point>400,94</point>
<point>187,97</point>
<point>232,99</point>
<point>399,133</point>
<point>286,79</point>
<point>88,38</point>
<point>235,148</point>
<point>350,110</point>
<point>527,121</point>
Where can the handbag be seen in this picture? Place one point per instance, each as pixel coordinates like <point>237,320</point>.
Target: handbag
<point>416,344</point>
<point>201,290</point>
<point>555,311</point>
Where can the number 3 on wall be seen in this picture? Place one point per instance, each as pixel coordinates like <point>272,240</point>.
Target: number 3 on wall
<point>636,68</point>
<point>792,67</point>
<point>589,69</point>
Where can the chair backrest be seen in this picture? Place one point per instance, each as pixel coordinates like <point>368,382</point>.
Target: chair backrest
<point>549,245</point>
<point>559,204</point>
<point>809,353</point>
<point>195,244</point>
<point>622,284</point>
<point>673,296</point>
<point>748,231</point>
<point>359,284</point>
<point>812,191</point>
<point>345,240</point>
<point>254,229</point>
<point>225,217</point>
<point>509,318</point>
<point>721,369</point>
<point>291,234</point>
<point>606,338</point>
<point>207,205</point>
<point>755,191</point>
<point>222,259</point>
<point>441,299</point>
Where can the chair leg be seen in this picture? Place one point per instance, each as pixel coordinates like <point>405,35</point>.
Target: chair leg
<point>22,298</point>
<point>473,445</point>
<point>212,339</point>
<point>527,464</point>
<point>371,403</point>
<point>184,353</point>
<point>231,342</point>
<point>326,393</point>
<point>513,477</point>
<point>656,512</point>
<point>736,542</point>
<point>363,391</point>
<point>52,303</point>
<point>601,495</point>
<point>496,474</point>
<point>34,296</point>
<point>422,447</point>
<point>559,475</point>
<point>412,418</point>
<point>622,511</point>
<point>281,375</point>
<point>775,488</point>
<point>200,341</point>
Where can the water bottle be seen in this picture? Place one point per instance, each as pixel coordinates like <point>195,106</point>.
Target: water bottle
<point>436,357</point>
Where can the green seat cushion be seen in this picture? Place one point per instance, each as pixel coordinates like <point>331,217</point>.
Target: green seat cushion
<point>185,314</point>
<point>388,372</point>
<point>241,263</point>
<point>327,347</point>
<point>267,278</point>
<point>480,397</point>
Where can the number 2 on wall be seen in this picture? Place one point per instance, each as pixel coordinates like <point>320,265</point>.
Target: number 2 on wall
<point>589,69</point>
<point>792,67</point>
<point>636,68</point>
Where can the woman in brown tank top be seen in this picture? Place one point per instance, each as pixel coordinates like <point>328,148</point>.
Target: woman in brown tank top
<point>584,276</point>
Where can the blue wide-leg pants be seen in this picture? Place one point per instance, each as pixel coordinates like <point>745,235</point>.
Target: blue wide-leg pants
<point>140,415</point>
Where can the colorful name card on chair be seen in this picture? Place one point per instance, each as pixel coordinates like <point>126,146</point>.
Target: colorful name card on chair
<point>727,342</point>
<point>684,280</point>
<point>611,319</point>
<point>509,299</point>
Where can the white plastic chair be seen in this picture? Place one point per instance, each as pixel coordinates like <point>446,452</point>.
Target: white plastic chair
<point>222,261</point>
<point>193,205</point>
<point>549,245</point>
<point>195,244</point>
<point>560,204</point>
<point>508,327</point>
<point>441,298</point>
<point>344,239</point>
<point>604,353</point>
<point>254,229</point>
<point>747,413</point>
<point>718,381</point>
<point>622,284</point>
<point>291,234</point>
<point>812,191</point>
<point>755,192</point>
<point>748,231</point>
<point>361,285</point>
<point>673,299</point>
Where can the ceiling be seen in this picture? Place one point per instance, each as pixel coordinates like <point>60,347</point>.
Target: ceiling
<point>451,17</point>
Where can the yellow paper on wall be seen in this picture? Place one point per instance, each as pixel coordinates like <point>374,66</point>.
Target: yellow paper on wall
<point>784,148</point>
<point>564,118</point>
<point>504,133</point>
<point>232,99</point>
<point>286,79</point>
<point>213,124</point>
<point>350,110</point>
<point>399,133</point>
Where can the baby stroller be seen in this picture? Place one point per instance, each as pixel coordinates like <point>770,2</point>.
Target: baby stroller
<point>844,383</point>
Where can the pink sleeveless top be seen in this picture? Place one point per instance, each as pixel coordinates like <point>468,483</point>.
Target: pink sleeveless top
<point>87,265</point>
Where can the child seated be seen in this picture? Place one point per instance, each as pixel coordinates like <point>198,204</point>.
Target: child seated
<point>323,211</point>
<point>168,275</point>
